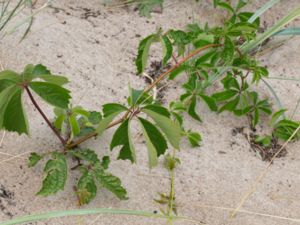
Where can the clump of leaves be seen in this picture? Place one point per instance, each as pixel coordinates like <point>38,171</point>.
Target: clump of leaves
<point>74,124</point>
<point>223,64</point>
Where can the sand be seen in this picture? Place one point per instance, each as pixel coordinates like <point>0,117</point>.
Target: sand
<point>95,48</point>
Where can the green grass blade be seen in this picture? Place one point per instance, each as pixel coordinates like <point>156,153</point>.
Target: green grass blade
<point>11,14</point>
<point>284,78</point>
<point>4,9</point>
<point>288,31</point>
<point>28,19</point>
<point>262,10</point>
<point>274,94</point>
<point>81,212</point>
<point>291,16</point>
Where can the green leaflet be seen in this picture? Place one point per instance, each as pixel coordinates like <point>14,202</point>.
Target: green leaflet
<point>87,155</point>
<point>110,111</point>
<point>34,158</point>
<point>134,97</point>
<point>15,118</point>
<point>59,122</point>
<point>54,79</point>
<point>95,117</point>
<point>182,68</point>
<point>210,102</point>
<point>112,108</point>
<point>56,170</point>
<point>75,129</point>
<point>224,95</point>
<point>52,93</point>
<point>104,123</point>
<point>231,105</point>
<point>171,129</point>
<point>158,109</point>
<point>155,141</point>
<point>86,188</point>
<point>226,6</point>
<point>192,109</point>
<point>228,52</point>
<point>138,97</point>
<point>122,137</point>
<point>194,138</point>
<point>5,97</point>
<point>143,52</point>
<point>111,183</point>
<point>40,70</point>
<point>264,140</point>
<point>27,74</point>
<point>146,6</point>
<point>105,162</point>
<point>167,49</point>
<point>10,75</point>
<point>5,83</point>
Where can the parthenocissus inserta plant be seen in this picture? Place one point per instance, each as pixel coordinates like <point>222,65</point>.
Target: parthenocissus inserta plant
<point>207,55</point>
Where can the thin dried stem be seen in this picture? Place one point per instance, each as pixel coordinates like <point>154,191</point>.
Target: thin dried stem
<point>203,206</point>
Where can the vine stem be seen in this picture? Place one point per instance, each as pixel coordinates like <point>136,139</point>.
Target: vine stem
<point>191,55</point>
<point>62,140</point>
<point>147,89</point>
<point>172,191</point>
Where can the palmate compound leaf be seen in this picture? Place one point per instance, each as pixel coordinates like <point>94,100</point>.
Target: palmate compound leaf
<point>52,93</point>
<point>171,129</point>
<point>94,170</point>
<point>122,138</point>
<point>155,141</point>
<point>57,171</point>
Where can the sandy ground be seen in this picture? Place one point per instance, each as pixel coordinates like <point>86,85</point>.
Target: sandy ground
<point>96,53</point>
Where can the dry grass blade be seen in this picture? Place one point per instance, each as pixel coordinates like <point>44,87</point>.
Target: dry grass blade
<point>242,211</point>
<point>262,175</point>
<point>14,157</point>
<point>2,139</point>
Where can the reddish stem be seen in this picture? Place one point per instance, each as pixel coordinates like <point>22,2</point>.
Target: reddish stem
<point>44,116</point>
